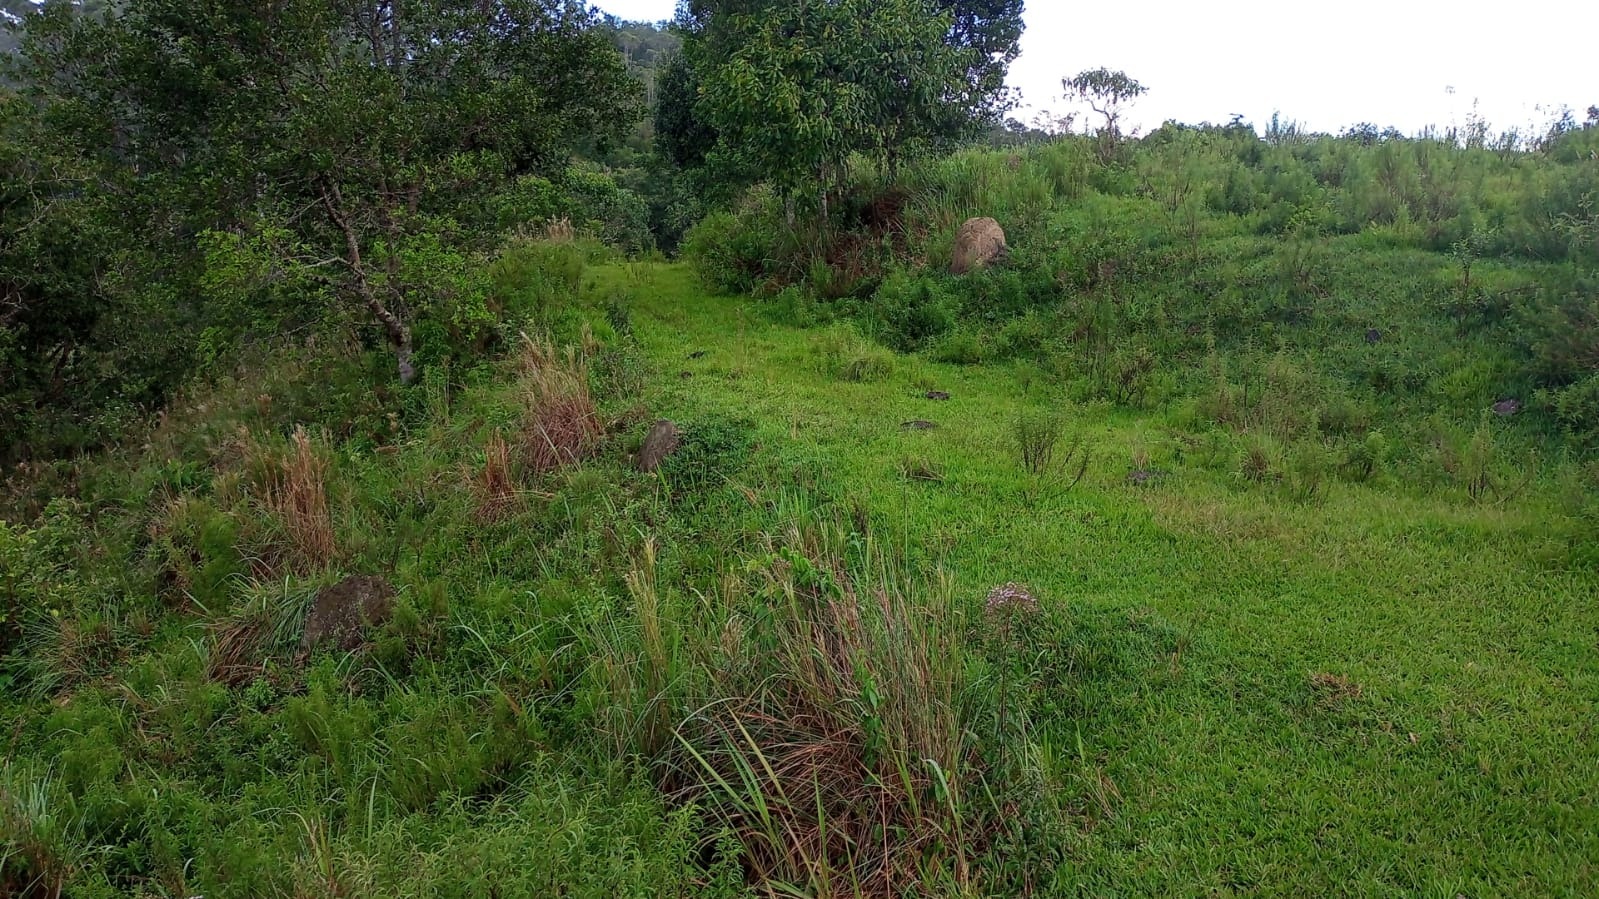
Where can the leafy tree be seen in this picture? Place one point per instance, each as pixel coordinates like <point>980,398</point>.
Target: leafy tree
<point>681,134</point>
<point>794,89</point>
<point>344,150</point>
<point>988,35</point>
<point>1106,92</point>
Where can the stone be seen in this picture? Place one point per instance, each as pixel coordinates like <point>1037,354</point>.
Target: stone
<point>342,612</point>
<point>979,243</point>
<point>940,395</point>
<point>1507,408</point>
<point>662,441</point>
<point>919,425</point>
<point>1373,336</point>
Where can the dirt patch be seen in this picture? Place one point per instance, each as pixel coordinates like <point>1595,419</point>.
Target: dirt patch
<point>919,425</point>
<point>938,395</point>
<point>1333,690</point>
<point>342,612</point>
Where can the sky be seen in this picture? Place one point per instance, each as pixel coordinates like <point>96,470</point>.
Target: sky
<point>1405,63</point>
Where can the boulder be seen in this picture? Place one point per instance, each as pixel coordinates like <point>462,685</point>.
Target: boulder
<point>661,442</point>
<point>343,611</point>
<point>980,243</point>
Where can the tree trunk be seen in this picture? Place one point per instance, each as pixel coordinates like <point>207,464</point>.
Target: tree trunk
<point>398,334</point>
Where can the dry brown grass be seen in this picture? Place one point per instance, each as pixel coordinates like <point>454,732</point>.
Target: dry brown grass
<point>560,424</point>
<point>293,487</point>
<point>235,657</point>
<point>495,484</point>
<point>1333,690</point>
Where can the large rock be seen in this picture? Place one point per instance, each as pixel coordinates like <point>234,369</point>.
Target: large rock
<point>343,611</point>
<point>661,442</point>
<point>980,242</point>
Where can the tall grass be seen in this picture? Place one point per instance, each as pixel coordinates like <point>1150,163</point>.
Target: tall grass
<point>833,740</point>
<point>560,423</point>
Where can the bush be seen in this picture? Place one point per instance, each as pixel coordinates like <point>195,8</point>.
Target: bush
<point>909,310</point>
<point>728,252</point>
<point>1577,409</point>
<point>709,451</point>
<point>533,280</point>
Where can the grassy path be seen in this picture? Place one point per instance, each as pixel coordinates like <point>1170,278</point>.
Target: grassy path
<point>1378,694</point>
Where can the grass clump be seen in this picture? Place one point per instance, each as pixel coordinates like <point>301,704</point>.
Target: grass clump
<point>560,423</point>
<point>842,352</point>
<point>834,720</point>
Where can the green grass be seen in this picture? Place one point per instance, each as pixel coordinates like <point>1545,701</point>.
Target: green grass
<point>1462,767</point>
<point>1236,686</point>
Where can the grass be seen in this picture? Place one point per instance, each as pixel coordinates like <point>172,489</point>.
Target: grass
<point>778,664</point>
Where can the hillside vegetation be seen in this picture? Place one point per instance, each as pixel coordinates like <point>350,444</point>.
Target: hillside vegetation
<point>1236,533</point>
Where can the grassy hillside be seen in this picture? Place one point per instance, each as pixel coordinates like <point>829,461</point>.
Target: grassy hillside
<point>781,659</point>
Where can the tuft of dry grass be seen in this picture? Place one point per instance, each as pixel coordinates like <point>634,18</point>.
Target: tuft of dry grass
<point>235,656</point>
<point>834,747</point>
<point>293,488</point>
<point>496,485</point>
<point>560,423</point>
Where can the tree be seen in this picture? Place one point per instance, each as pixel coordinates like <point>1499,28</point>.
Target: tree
<point>792,90</point>
<point>988,35</point>
<point>1105,91</point>
<point>346,148</point>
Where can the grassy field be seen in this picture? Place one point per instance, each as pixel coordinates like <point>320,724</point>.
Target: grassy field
<point>1240,685</point>
<point>1378,694</point>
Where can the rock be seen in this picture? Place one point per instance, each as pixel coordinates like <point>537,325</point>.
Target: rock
<point>342,612</point>
<point>1507,408</point>
<point>1373,335</point>
<point>980,243</point>
<point>919,425</point>
<point>940,395</point>
<point>661,442</point>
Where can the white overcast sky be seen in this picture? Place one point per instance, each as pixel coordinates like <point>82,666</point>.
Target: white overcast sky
<point>1327,65</point>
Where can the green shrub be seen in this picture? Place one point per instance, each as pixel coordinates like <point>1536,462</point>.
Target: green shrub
<point>1577,409</point>
<point>533,280</point>
<point>909,310</point>
<point>710,451</point>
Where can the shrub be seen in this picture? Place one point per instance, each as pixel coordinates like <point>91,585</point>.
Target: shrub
<point>710,450</point>
<point>728,253</point>
<point>534,279</point>
<point>909,310</point>
<point>1577,408</point>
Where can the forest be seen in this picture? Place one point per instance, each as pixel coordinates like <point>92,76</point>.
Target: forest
<point>487,447</point>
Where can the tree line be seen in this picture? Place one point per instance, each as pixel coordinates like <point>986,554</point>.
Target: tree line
<point>181,175</point>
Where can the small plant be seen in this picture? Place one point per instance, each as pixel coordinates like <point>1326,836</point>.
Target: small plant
<point>1259,462</point>
<point>845,354</point>
<point>1307,472</point>
<point>921,468</point>
<point>1052,461</point>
